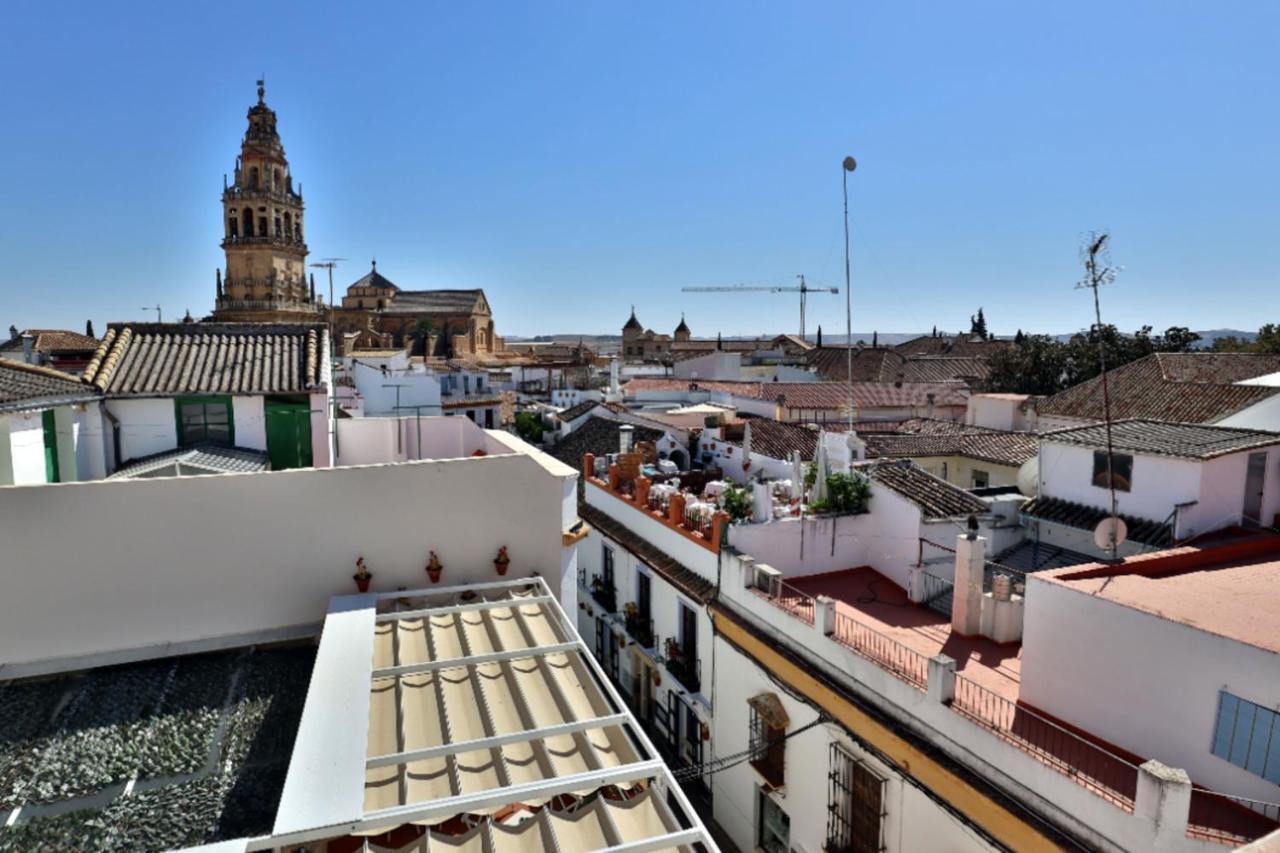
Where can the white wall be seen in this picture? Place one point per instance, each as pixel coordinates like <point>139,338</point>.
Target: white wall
<point>1222,487</point>
<point>712,366</point>
<point>1264,415</point>
<point>692,555</point>
<point>159,561</point>
<point>1158,484</point>
<point>996,411</point>
<point>371,441</point>
<point>250,418</point>
<point>418,389</point>
<point>912,822</point>
<point>1144,683</point>
<point>147,426</point>
<point>26,443</point>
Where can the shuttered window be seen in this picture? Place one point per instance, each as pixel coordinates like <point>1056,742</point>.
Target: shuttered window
<point>1248,735</point>
<point>855,805</point>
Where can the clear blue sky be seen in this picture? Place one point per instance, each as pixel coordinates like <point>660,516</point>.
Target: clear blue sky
<point>574,158</point>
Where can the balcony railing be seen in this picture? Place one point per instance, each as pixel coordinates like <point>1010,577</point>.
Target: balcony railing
<point>264,239</point>
<point>782,595</point>
<point>640,627</point>
<point>685,669</point>
<point>1090,765</point>
<point>1225,819</point>
<point>301,306</point>
<point>604,593</point>
<point>906,663</point>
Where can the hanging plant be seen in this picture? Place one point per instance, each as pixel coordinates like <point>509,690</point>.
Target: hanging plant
<point>501,561</point>
<point>706,732</point>
<point>434,568</point>
<point>656,676</point>
<point>622,642</point>
<point>362,575</point>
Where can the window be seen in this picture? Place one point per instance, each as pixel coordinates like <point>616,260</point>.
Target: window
<point>980,479</point>
<point>1248,736</point>
<point>855,805</point>
<point>774,830</point>
<point>767,738</point>
<point>607,565</point>
<point>1121,469</point>
<point>204,420</point>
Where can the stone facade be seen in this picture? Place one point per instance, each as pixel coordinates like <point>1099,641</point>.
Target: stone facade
<point>641,344</point>
<point>266,253</point>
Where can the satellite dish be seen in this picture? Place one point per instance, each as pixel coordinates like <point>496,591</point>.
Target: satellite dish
<point>1029,477</point>
<point>1110,533</point>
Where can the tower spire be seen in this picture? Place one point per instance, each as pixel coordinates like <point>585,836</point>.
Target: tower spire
<point>262,89</point>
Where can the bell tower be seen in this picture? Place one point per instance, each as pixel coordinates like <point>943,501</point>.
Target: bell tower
<point>263,231</point>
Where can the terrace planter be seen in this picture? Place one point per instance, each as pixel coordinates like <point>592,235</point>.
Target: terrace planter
<point>362,584</point>
<point>434,568</point>
<point>501,562</point>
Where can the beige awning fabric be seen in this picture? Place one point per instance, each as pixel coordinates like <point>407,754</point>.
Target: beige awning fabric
<point>769,706</point>
<point>642,817</point>
<point>589,828</point>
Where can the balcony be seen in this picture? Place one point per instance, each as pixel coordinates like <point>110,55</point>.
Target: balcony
<point>264,240</point>
<point>684,667</point>
<point>604,593</point>
<point>639,625</point>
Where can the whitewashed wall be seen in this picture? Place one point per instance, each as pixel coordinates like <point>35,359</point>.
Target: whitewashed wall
<point>1264,415</point>
<point>418,389</point>
<point>1144,683</point>
<point>139,564</point>
<point>1158,483</point>
<point>26,448</point>
<point>912,822</point>
<point>372,441</point>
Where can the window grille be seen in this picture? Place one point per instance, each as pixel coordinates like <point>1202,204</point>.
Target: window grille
<point>855,806</point>
<point>768,749</point>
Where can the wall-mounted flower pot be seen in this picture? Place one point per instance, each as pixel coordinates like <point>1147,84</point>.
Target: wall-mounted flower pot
<point>362,583</point>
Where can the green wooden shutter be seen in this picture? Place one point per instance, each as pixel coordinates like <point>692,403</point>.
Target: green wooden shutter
<point>51,472</point>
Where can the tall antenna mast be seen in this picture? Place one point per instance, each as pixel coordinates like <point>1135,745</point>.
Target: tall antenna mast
<point>329,264</point>
<point>847,166</point>
<point>1098,271</point>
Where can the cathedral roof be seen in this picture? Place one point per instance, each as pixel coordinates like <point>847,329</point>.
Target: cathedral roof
<point>683,327</point>
<point>633,323</point>
<point>436,301</point>
<point>374,279</point>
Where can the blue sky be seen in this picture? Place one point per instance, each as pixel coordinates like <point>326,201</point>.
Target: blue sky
<point>574,158</point>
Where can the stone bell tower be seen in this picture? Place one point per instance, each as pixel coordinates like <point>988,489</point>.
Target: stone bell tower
<point>266,276</point>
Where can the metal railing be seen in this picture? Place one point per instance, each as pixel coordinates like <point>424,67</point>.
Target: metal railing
<point>937,593</point>
<point>887,653</point>
<point>1108,775</point>
<point>686,670</point>
<point>1226,819</point>
<point>640,627</point>
<point>785,597</point>
<point>604,593</point>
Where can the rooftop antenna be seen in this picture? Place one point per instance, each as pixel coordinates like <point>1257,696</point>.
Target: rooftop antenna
<point>329,264</point>
<point>155,308</point>
<point>1098,271</point>
<point>847,166</point>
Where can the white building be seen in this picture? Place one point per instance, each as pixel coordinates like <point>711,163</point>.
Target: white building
<point>49,427</point>
<point>391,384</point>
<point>1173,482</point>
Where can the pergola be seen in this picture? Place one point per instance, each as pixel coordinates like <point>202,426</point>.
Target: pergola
<point>478,713</point>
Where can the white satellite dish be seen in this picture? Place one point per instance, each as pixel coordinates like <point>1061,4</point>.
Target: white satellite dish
<point>1110,533</point>
<point>1029,477</point>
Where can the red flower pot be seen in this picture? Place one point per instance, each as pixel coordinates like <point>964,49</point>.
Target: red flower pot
<point>434,574</point>
<point>362,584</point>
<point>501,566</point>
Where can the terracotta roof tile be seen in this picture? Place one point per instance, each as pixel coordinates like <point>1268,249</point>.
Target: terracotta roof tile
<point>936,497</point>
<point>1084,517</point>
<point>1181,387</point>
<point>1189,441</point>
<point>1003,448</point>
<point>53,340</point>
<point>26,386</point>
<point>597,436</point>
<point>159,359</point>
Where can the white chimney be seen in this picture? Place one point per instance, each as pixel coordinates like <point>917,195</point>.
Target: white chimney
<point>28,349</point>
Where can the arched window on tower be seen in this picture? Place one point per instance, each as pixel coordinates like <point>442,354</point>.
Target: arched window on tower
<point>253,177</point>
<point>233,226</point>
<point>276,182</point>
<point>288,226</point>
<point>278,226</point>
<point>262,226</point>
<point>246,217</point>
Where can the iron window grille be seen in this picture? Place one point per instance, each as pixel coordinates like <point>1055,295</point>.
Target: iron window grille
<point>768,750</point>
<point>855,806</point>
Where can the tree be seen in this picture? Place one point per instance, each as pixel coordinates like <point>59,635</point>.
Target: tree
<point>875,339</point>
<point>935,330</point>
<point>1019,338</point>
<point>819,335</point>
<point>846,494</point>
<point>88,328</point>
<point>978,326</point>
<point>737,502</point>
<point>529,427</point>
<point>1266,341</point>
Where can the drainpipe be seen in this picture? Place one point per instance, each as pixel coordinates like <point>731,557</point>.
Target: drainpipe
<point>115,438</point>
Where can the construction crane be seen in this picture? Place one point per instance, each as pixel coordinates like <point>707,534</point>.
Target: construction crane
<point>803,289</point>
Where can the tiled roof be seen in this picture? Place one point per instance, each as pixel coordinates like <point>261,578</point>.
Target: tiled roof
<point>188,461</point>
<point>435,301</point>
<point>25,386</point>
<point>819,395</point>
<point>1032,556</point>
<point>1189,441</point>
<point>944,369</point>
<point>373,279</point>
<point>953,345</point>
<point>632,322</point>
<point>52,340</point>
<point>160,359</point>
<point>877,364</point>
<point>1002,448</point>
<point>598,436</point>
<point>686,580</point>
<point>642,384</point>
<point>1083,517</point>
<point>777,439</point>
<point>577,411</point>
<point>1182,387</point>
<point>936,497</point>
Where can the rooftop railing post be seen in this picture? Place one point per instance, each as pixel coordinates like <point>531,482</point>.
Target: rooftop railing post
<point>1164,798</point>
<point>825,617</point>
<point>942,679</point>
<point>966,607</point>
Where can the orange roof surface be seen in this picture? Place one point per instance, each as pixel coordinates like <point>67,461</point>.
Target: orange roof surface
<point>1232,590</point>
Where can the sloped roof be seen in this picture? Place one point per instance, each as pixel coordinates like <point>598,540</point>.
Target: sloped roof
<point>1002,448</point>
<point>597,436</point>
<point>435,302</point>
<point>52,340</point>
<point>1188,441</point>
<point>202,459</point>
<point>683,327</point>
<point>936,497</point>
<point>819,395</point>
<point>373,279</point>
<point>1082,517</point>
<point>952,345</point>
<point>576,411</point>
<point>1181,387</point>
<point>777,439</point>
<point>883,364</point>
<point>163,359</point>
<point>686,580</point>
<point>27,386</point>
<point>632,322</point>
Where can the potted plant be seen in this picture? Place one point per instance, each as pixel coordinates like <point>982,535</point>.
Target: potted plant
<point>501,561</point>
<point>672,649</point>
<point>657,677</point>
<point>434,568</point>
<point>362,575</point>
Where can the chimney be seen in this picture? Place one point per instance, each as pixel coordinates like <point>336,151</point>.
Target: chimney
<point>626,435</point>
<point>28,349</point>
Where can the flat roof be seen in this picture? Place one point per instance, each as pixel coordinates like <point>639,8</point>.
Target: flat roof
<point>1231,590</point>
<point>472,715</point>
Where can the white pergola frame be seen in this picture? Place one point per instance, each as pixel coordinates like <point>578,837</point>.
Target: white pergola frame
<point>652,768</point>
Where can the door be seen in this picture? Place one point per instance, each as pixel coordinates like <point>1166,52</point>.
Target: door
<point>1254,483</point>
<point>51,473</point>
<point>288,433</point>
<point>689,635</point>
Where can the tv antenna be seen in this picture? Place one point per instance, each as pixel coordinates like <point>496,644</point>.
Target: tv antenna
<point>803,289</point>
<point>329,264</point>
<point>155,308</point>
<point>1098,271</point>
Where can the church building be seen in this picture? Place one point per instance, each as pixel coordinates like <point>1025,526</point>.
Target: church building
<point>266,280</point>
